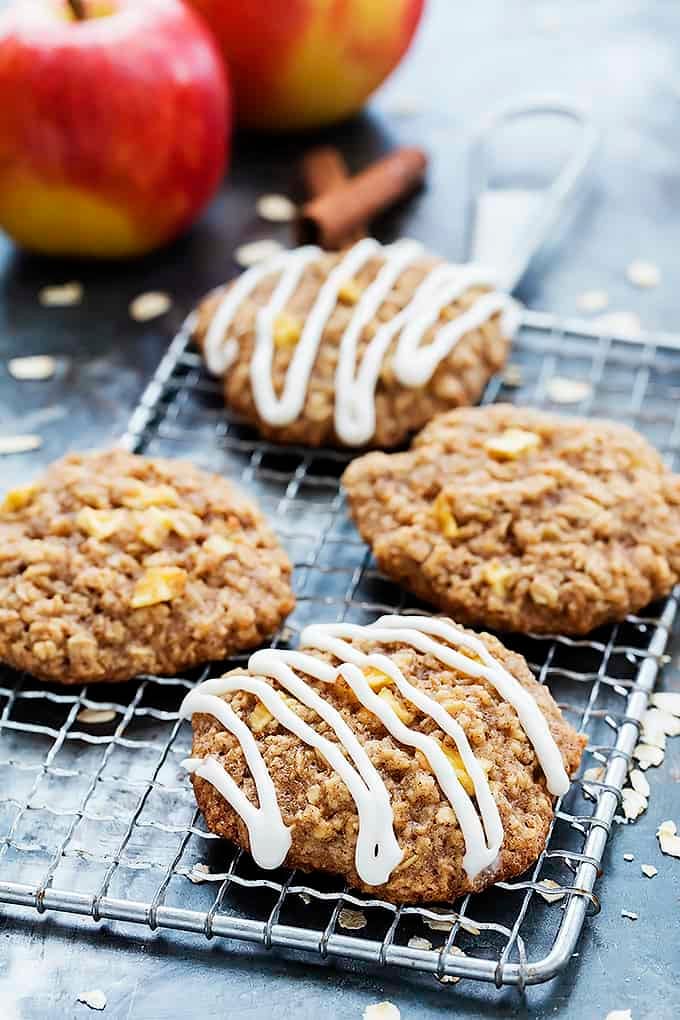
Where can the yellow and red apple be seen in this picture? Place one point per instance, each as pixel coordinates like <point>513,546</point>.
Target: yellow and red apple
<point>304,63</point>
<point>114,124</point>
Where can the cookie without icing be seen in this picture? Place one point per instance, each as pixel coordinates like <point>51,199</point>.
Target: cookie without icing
<point>512,518</point>
<point>412,757</point>
<point>113,564</point>
<point>355,349</point>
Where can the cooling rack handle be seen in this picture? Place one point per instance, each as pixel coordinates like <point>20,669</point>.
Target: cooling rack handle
<point>530,216</point>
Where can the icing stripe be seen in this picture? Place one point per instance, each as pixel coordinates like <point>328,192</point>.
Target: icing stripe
<point>355,385</point>
<point>377,852</point>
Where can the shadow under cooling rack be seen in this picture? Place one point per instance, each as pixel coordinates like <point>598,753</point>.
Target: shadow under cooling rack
<point>98,818</point>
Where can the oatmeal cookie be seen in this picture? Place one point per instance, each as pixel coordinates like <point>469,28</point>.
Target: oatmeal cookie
<point>360,348</point>
<point>113,564</point>
<point>512,518</point>
<point>414,758</point>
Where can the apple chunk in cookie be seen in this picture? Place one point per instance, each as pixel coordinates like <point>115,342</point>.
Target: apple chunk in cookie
<point>113,564</point>
<point>516,519</point>
<point>360,348</point>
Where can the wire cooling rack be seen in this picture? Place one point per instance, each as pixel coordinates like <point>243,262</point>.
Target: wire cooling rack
<point>96,818</point>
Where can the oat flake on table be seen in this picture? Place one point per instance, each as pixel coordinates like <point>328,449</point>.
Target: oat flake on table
<point>19,444</point>
<point>619,1014</point>
<point>592,301</point>
<point>94,999</point>
<point>648,870</point>
<point>417,942</point>
<point>96,715</point>
<point>61,295</point>
<point>639,782</point>
<point>276,208</point>
<point>33,368</point>
<point>629,857</point>
<point>452,979</point>
<point>643,274</point>
<point>382,1011</point>
<point>669,841</point>
<point>593,774</point>
<point>437,925</point>
<point>634,804</point>
<point>547,890</point>
<point>648,755</point>
<point>629,915</point>
<point>562,390</point>
<point>200,873</point>
<point>657,720</point>
<point>250,254</point>
<point>667,701</point>
<point>150,305</point>
<point>352,920</point>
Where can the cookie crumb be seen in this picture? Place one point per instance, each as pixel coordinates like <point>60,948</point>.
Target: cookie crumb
<point>96,715</point>
<point>352,920</point>
<point>629,914</point>
<point>94,999</point>
<point>19,444</point>
<point>33,368</point>
<point>247,255</point>
<point>568,391</point>
<point>648,870</point>
<point>629,857</point>
<point>276,208</point>
<point>592,301</point>
<point>61,295</point>
<point>619,1014</point>
<point>150,305</point>
<point>382,1011</point>
<point>643,274</point>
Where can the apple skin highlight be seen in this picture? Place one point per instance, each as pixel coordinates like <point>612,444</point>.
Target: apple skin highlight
<point>304,63</point>
<point>115,130</point>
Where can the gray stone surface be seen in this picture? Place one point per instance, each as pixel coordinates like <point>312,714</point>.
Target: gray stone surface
<point>622,58</point>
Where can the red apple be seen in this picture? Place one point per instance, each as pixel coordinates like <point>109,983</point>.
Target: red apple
<point>303,63</point>
<point>114,126</point>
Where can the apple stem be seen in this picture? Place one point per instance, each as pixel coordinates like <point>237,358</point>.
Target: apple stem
<point>78,9</point>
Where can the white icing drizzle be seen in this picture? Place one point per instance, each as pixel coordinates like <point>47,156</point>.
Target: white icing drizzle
<point>377,851</point>
<point>355,385</point>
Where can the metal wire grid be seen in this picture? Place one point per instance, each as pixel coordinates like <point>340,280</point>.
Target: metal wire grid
<point>97,819</point>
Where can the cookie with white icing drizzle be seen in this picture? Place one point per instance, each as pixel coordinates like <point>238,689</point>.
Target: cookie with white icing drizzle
<point>411,756</point>
<point>359,348</point>
<point>517,519</point>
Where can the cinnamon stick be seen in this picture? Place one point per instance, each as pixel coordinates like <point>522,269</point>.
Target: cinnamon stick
<point>330,218</point>
<point>324,169</point>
